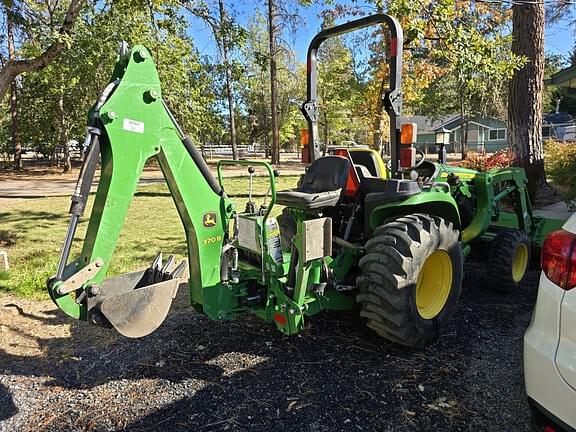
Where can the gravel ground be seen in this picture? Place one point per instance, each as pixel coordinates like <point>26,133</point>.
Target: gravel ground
<point>195,374</point>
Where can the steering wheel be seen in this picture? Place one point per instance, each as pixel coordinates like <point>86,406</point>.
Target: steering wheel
<point>416,164</point>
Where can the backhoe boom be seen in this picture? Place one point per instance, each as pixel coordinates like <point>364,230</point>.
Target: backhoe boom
<point>135,125</point>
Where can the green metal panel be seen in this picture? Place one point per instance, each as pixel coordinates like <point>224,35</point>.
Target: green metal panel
<point>545,226</point>
<point>484,206</point>
<point>433,202</point>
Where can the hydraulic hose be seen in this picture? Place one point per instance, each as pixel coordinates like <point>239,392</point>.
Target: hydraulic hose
<point>195,154</point>
<point>84,183</point>
<point>80,195</point>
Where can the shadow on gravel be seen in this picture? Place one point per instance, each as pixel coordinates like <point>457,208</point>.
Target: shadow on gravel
<point>196,374</point>
<point>7,407</point>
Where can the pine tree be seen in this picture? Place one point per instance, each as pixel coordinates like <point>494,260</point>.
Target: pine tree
<point>526,91</point>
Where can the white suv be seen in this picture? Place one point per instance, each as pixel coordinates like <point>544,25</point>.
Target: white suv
<point>550,341</point>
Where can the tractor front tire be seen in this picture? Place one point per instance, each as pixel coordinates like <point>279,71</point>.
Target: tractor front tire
<point>509,260</point>
<point>411,279</point>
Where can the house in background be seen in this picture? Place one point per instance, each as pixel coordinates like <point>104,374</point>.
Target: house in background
<point>561,125</point>
<point>565,78</point>
<point>558,126</point>
<point>485,134</point>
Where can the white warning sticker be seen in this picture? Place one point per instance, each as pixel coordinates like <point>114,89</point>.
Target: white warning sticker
<point>133,125</point>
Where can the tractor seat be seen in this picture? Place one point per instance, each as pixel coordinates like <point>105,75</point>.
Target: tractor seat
<point>320,187</point>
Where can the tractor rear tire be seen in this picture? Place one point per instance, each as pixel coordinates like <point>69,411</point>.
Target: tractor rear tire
<point>509,260</point>
<point>411,279</point>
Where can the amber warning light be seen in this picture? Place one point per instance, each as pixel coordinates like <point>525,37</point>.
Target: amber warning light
<point>407,151</point>
<point>408,132</point>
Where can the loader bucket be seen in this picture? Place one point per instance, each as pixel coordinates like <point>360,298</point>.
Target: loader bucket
<point>131,305</point>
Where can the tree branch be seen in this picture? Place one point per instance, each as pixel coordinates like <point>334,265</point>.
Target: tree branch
<point>14,68</point>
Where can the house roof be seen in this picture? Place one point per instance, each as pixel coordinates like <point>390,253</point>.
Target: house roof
<point>427,124</point>
<point>557,118</point>
<point>564,78</point>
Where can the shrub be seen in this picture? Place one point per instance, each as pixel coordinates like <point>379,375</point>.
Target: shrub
<point>560,161</point>
<point>475,161</point>
<point>486,162</point>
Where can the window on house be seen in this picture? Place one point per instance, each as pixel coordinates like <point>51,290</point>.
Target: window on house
<point>497,134</point>
<point>546,131</point>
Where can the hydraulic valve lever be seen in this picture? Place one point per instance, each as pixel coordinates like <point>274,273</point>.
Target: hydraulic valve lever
<point>250,205</point>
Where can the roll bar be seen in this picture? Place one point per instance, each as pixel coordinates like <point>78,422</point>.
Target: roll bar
<point>392,97</point>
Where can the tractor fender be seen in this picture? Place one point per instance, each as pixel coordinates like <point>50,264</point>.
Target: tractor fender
<point>434,203</point>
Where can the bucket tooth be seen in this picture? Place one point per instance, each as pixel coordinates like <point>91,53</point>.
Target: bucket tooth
<point>165,271</point>
<point>154,269</point>
<point>177,272</point>
<point>157,263</point>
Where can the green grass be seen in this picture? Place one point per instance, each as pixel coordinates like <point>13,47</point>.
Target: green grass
<point>33,232</point>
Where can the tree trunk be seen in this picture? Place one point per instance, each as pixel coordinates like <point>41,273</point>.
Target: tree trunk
<point>463,130</point>
<point>63,132</point>
<point>376,134</point>
<point>13,68</point>
<point>229,84</point>
<point>326,134</point>
<point>14,127</point>
<point>526,91</point>
<point>273,85</point>
<point>377,124</point>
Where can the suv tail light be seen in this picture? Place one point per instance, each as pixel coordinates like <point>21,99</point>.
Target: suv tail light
<point>559,258</point>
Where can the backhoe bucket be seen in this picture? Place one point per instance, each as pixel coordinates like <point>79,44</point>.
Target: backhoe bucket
<point>133,307</point>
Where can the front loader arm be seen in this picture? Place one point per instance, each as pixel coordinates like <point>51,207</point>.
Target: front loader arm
<point>135,126</point>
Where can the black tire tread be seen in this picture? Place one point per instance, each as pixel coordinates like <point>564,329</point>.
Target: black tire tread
<point>500,260</point>
<point>393,257</point>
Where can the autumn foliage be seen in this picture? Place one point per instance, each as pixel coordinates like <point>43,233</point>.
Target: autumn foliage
<point>486,162</point>
<point>560,161</point>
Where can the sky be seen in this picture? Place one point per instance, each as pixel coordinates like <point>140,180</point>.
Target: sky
<point>246,8</point>
<point>559,37</point>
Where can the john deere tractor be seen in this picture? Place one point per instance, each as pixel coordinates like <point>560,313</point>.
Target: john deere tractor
<point>391,239</point>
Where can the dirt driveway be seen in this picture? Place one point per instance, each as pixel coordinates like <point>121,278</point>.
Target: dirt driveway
<point>194,374</point>
<point>40,183</point>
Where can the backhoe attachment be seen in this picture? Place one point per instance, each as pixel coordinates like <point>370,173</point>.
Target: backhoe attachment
<point>129,124</point>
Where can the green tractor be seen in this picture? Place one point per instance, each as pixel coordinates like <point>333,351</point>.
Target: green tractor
<point>390,239</point>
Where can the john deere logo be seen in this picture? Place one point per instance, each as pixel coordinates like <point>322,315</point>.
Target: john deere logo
<point>209,220</point>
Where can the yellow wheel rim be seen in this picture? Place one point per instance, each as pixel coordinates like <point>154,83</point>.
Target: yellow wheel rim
<point>520,262</point>
<point>434,284</point>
